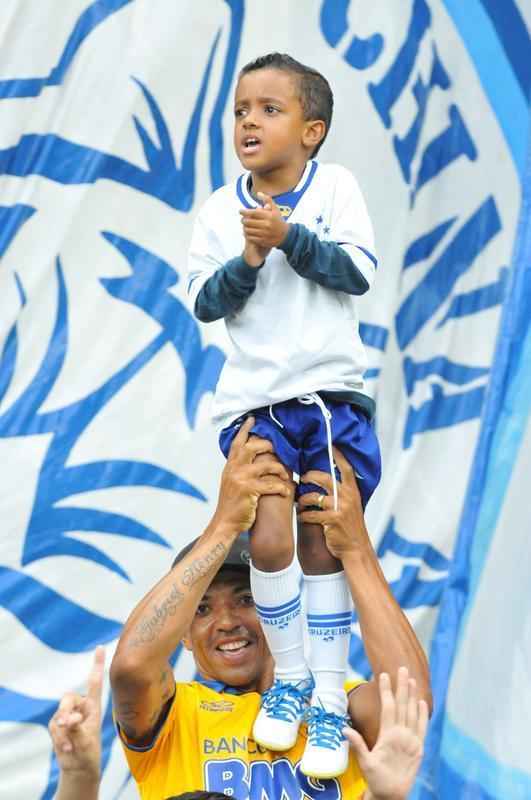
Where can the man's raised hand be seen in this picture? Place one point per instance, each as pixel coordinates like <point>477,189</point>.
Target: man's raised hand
<point>245,479</point>
<point>344,529</point>
<point>391,766</point>
<point>75,727</point>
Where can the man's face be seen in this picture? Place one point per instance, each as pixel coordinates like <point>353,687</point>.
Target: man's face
<point>269,126</point>
<point>225,636</point>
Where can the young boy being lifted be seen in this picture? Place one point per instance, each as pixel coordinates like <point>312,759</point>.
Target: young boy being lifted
<point>281,254</point>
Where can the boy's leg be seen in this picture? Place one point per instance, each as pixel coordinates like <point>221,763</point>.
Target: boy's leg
<point>329,613</point>
<point>329,604</point>
<point>275,583</point>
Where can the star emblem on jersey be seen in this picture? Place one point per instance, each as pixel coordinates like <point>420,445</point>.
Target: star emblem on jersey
<point>319,219</point>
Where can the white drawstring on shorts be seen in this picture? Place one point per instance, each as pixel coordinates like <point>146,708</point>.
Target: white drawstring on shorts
<point>280,425</point>
<point>307,400</point>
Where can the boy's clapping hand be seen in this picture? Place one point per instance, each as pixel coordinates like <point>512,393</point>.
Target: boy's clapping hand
<point>263,229</point>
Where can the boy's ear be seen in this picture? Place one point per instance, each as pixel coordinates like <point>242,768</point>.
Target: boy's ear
<point>313,133</point>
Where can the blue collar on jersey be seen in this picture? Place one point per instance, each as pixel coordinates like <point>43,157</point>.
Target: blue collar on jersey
<point>286,201</point>
<point>218,686</point>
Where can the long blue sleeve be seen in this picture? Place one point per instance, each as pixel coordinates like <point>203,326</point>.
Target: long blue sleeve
<point>326,263</point>
<point>226,291</point>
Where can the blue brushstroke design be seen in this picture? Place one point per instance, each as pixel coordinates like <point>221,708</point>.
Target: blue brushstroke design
<point>371,373</point>
<point>409,590</point>
<point>424,246</point>
<point>215,128</point>
<point>8,357</point>
<point>147,288</point>
<point>87,22</point>
<point>393,542</point>
<point>51,520</point>
<point>20,288</point>
<point>468,303</point>
<point>50,617</point>
<point>374,335</point>
<point>430,293</point>
<point>63,161</point>
<point>360,53</point>
<point>8,360</point>
<point>16,707</point>
<point>513,36</point>
<point>12,218</point>
<point>442,411</point>
<point>500,80</point>
<point>451,371</point>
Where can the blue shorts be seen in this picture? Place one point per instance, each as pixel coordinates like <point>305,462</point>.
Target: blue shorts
<point>301,443</point>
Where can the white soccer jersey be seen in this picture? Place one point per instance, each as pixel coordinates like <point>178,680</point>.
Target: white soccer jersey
<point>292,336</point>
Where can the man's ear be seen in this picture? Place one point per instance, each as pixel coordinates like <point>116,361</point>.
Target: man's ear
<point>314,132</point>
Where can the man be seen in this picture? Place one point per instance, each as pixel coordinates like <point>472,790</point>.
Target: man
<point>182,737</point>
<point>390,768</point>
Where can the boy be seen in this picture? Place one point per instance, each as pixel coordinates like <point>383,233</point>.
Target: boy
<point>285,290</point>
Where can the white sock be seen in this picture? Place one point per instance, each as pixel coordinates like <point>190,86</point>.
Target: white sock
<point>278,604</point>
<point>329,611</point>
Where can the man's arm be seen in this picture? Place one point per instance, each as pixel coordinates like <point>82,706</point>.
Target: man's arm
<point>388,638</point>
<point>141,675</point>
<point>75,729</point>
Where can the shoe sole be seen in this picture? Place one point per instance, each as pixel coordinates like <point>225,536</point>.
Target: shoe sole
<point>323,775</point>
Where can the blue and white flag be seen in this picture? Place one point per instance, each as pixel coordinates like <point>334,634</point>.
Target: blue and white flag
<point>115,126</point>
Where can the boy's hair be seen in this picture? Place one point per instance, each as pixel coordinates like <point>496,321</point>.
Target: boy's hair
<point>199,796</point>
<point>316,96</point>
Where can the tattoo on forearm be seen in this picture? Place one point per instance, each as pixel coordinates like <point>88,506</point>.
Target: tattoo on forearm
<point>151,626</point>
<point>202,566</point>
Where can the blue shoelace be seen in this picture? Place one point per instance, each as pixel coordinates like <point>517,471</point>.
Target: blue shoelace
<point>325,728</point>
<point>287,701</point>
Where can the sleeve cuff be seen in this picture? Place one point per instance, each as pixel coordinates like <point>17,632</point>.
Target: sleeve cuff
<point>242,272</point>
<point>287,245</point>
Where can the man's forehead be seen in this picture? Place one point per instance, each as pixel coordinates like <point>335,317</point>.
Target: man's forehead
<point>235,579</point>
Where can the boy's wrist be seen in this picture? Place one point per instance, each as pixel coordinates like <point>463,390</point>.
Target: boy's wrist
<point>286,245</point>
<point>252,259</point>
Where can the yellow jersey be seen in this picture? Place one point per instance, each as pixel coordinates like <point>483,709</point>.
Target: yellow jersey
<point>206,743</point>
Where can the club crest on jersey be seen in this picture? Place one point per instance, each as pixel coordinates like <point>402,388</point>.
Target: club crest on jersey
<point>285,211</point>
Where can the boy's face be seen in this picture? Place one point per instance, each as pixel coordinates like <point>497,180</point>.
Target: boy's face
<point>270,130</point>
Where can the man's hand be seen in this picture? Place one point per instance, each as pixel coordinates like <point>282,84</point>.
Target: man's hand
<point>263,228</point>
<point>243,480</point>
<point>344,529</point>
<point>391,766</point>
<point>75,729</point>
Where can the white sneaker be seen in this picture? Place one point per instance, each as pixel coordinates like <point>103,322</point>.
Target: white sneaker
<point>283,708</point>
<point>326,751</point>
